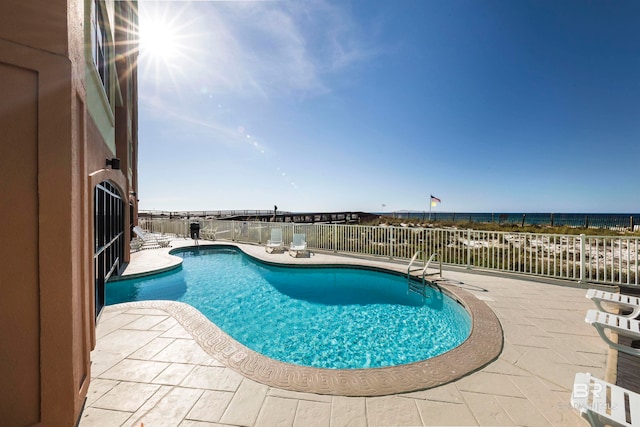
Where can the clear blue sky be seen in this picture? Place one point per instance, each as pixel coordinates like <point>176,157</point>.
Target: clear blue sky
<point>492,106</point>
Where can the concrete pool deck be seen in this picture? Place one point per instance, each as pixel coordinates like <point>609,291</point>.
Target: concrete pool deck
<point>147,368</point>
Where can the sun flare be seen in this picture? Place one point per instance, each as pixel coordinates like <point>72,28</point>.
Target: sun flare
<point>168,40</point>
<point>159,39</point>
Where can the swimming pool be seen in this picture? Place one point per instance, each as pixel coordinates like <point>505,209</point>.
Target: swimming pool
<point>340,318</point>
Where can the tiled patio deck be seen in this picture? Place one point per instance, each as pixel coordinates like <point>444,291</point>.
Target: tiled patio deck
<point>148,369</point>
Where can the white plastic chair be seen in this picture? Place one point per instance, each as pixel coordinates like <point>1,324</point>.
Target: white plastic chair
<point>615,299</point>
<point>603,403</point>
<point>618,324</point>
<point>298,246</point>
<point>150,239</point>
<point>275,242</point>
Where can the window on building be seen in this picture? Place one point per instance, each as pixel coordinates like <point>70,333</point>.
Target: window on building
<point>109,237</point>
<point>100,47</point>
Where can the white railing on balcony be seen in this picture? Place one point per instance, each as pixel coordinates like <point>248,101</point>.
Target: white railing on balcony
<point>596,259</point>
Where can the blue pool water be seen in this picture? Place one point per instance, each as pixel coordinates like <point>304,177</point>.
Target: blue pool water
<point>341,318</point>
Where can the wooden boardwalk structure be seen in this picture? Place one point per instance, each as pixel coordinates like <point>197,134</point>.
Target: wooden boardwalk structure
<point>309,218</point>
<point>345,217</point>
<point>629,366</point>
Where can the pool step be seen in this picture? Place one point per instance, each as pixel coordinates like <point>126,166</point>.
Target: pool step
<point>418,288</point>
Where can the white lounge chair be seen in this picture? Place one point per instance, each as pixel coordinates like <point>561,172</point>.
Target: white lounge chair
<point>603,403</point>
<point>136,244</point>
<point>618,324</point>
<point>617,300</point>
<point>208,233</point>
<point>151,240</point>
<point>298,246</point>
<point>275,242</point>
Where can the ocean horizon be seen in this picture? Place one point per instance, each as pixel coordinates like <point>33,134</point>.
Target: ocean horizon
<point>605,220</point>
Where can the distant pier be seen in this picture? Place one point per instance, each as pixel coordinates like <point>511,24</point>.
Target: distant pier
<point>267,216</point>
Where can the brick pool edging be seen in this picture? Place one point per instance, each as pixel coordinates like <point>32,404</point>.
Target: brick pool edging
<point>483,345</point>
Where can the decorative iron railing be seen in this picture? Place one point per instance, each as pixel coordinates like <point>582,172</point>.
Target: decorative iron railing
<point>596,259</point>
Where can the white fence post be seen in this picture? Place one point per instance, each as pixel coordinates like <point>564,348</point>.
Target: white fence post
<point>582,258</point>
<point>469,249</point>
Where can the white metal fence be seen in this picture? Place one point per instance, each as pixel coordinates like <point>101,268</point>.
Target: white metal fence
<point>596,259</point>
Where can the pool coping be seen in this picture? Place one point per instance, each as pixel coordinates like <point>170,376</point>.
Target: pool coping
<point>483,346</point>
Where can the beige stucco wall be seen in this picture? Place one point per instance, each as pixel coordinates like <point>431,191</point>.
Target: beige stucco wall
<point>19,314</point>
<point>46,309</point>
<point>52,154</point>
<point>17,19</point>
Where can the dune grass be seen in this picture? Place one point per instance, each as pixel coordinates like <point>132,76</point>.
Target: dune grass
<point>495,226</point>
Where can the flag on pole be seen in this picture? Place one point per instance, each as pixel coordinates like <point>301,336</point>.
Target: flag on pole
<point>435,201</point>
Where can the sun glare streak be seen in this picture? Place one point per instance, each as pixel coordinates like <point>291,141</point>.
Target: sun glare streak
<point>223,134</point>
